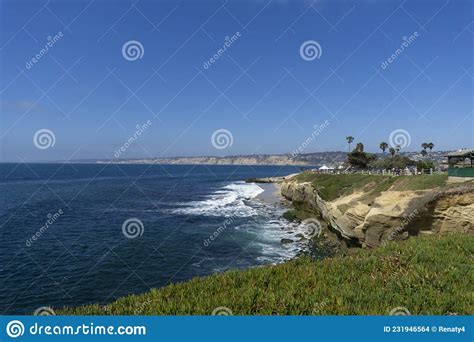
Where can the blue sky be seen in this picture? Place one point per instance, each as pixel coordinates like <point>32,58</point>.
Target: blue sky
<point>260,89</point>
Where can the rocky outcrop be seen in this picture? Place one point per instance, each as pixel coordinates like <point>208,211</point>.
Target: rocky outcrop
<point>269,179</point>
<point>391,215</point>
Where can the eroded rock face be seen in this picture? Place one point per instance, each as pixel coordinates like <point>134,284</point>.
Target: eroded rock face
<point>392,215</point>
<point>454,213</point>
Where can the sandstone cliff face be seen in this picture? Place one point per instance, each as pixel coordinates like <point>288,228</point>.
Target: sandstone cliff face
<point>391,215</point>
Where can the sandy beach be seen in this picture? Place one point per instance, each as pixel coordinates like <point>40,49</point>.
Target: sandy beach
<point>271,193</point>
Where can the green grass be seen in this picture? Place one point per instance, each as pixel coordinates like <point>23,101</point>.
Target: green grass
<point>426,275</point>
<point>421,182</point>
<point>331,187</point>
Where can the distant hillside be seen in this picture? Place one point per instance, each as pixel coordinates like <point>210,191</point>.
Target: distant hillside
<point>306,159</point>
<point>260,159</point>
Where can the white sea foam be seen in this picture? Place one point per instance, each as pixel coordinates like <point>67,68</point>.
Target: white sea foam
<point>268,236</point>
<point>229,200</point>
<point>263,229</point>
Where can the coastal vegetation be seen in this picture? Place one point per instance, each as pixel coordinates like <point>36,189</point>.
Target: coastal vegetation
<point>350,140</point>
<point>330,186</point>
<point>383,146</point>
<point>299,213</point>
<point>394,162</point>
<point>361,160</point>
<point>429,275</point>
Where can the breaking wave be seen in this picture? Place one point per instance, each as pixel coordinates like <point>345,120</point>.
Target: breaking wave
<point>232,199</point>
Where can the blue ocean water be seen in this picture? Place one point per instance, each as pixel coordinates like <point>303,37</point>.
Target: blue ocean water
<point>63,240</point>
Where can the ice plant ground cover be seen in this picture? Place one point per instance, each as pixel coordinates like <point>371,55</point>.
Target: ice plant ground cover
<point>430,275</point>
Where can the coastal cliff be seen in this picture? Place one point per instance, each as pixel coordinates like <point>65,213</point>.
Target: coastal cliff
<point>380,210</point>
<point>306,159</point>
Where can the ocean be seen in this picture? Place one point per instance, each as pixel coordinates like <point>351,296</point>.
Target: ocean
<point>74,234</point>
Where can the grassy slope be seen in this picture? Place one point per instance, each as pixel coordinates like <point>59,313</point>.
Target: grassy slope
<point>427,275</point>
<point>331,187</point>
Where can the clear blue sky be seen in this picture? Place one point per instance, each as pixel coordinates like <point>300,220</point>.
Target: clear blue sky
<point>91,98</point>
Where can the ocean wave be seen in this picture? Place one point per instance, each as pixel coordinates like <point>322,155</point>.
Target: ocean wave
<point>260,231</point>
<point>229,200</point>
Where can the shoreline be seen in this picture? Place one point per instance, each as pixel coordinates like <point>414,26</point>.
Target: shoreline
<point>271,187</point>
<point>271,193</point>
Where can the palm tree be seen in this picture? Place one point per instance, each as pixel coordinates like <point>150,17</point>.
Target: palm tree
<point>350,139</point>
<point>392,151</point>
<point>383,146</point>
<point>424,153</point>
<point>424,146</point>
<point>430,146</point>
